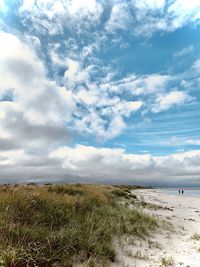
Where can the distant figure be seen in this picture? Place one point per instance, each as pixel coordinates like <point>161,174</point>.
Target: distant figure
<point>179,191</point>
<point>182,192</point>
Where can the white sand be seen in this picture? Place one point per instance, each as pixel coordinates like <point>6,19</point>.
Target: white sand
<point>184,213</point>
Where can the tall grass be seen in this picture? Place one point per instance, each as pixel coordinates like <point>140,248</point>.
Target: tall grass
<point>58,225</point>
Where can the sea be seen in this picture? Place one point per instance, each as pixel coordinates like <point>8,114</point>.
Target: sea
<point>187,191</point>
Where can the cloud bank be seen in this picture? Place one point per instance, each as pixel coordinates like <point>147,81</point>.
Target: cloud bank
<point>91,164</point>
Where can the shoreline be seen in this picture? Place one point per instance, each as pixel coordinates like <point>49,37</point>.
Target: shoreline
<point>175,192</point>
<point>178,245</point>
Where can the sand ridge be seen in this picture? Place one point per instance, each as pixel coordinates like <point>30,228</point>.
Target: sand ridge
<point>173,244</point>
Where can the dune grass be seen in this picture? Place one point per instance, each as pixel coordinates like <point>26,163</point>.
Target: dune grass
<point>167,262</point>
<point>58,225</point>
<point>196,236</point>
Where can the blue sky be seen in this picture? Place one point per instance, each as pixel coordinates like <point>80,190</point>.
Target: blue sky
<point>100,91</point>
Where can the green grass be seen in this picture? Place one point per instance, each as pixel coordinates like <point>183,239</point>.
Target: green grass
<point>62,224</point>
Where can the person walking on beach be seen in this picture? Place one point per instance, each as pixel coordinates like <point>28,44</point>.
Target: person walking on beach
<point>182,192</point>
<point>179,191</point>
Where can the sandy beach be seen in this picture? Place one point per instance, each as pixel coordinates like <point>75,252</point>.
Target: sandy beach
<point>174,244</point>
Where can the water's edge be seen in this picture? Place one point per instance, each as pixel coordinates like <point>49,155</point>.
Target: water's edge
<point>186,191</point>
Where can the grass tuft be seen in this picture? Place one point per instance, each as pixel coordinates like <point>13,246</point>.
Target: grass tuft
<point>167,262</point>
<point>196,236</point>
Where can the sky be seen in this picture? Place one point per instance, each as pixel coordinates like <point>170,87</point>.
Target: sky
<point>100,91</point>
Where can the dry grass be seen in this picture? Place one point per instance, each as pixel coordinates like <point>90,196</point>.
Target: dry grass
<point>57,225</point>
<point>167,262</point>
<point>196,236</point>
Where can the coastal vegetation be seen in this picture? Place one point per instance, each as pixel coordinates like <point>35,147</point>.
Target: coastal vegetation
<point>196,236</point>
<point>60,225</point>
<point>167,262</point>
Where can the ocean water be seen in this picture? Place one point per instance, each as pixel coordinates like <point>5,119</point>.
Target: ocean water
<point>187,191</point>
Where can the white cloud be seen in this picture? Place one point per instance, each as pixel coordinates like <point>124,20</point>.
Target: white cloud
<point>85,8</point>
<point>180,142</point>
<point>141,84</point>
<point>88,106</point>
<point>19,69</point>
<point>128,107</point>
<point>183,12</point>
<point>11,157</point>
<point>46,7</point>
<point>88,97</point>
<point>185,51</point>
<point>74,74</point>
<point>169,100</point>
<point>38,110</point>
<point>177,14</point>
<point>89,163</point>
<point>103,129</point>
<point>125,108</point>
<point>193,142</point>
<point>107,121</point>
<point>120,17</point>
<point>149,4</point>
<point>196,66</point>
<point>141,17</point>
<point>22,71</point>
<point>152,83</point>
<point>3,7</point>
<point>41,102</point>
<point>55,16</point>
<point>116,126</point>
<point>97,164</point>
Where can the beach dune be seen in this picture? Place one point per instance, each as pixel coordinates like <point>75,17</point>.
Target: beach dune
<point>178,242</point>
